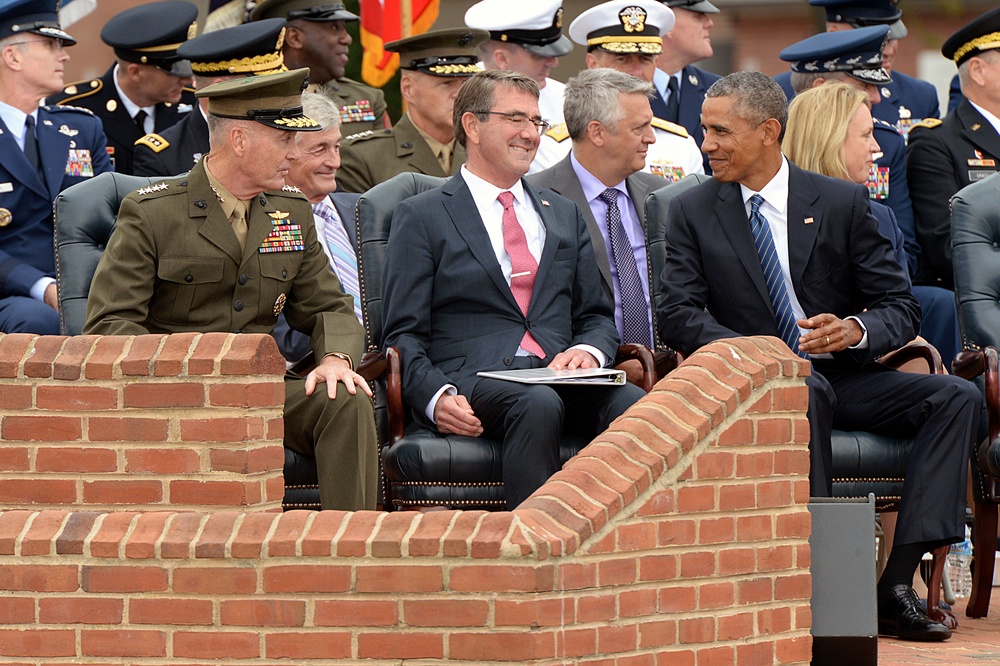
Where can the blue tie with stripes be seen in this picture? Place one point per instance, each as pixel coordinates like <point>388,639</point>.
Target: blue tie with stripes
<point>345,261</point>
<point>768,255</point>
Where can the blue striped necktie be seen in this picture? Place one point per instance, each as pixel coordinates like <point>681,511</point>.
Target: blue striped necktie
<point>768,255</point>
<point>635,307</point>
<point>345,260</point>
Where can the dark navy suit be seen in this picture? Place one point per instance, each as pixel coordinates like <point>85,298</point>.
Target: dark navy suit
<point>695,83</point>
<point>67,140</point>
<point>186,141</point>
<point>955,95</point>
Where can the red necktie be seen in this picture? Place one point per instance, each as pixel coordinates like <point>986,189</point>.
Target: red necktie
<point>523,267</point>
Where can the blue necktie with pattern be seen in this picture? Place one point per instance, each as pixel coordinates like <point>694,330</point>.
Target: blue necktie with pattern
<point>635,308</point>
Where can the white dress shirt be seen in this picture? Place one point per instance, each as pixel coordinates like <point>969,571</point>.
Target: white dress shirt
<point>132,108</point>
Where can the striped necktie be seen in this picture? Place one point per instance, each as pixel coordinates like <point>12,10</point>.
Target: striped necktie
<point>762,238</point>
<point>345,259</point>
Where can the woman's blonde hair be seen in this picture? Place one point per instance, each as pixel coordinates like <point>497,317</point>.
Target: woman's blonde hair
<point>817,127</point>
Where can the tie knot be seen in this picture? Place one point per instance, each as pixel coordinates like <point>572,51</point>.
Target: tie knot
<point>755,203</point>
<point>609,196</point>
<point>29,122</point>
<point>506,199</point>
<point>672,84</point>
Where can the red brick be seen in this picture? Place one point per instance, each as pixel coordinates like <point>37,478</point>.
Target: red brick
<point>676,658</point>
<point>793,587</point>
<point>698,564</point>
<point>695,498</point>
<point>795,650</point>
<point>529,613</point>
<point>509,578</point>
<point>247,460</point>
<point>79,459</point>
<point>637,536</point>
<point>657,633</point>
<point>576,642</point>
<point>677,599</point>
<point>716,530</point>
<point>215,535</point>
<point>37,642</point>
<point>162,461</point>
<point>755,591</point>
<point>756,653</point>
<point>577,575</point>
<point>308,645</point>
<point>219,429</point>
<point>39,578</point>
<point>103,360</point>
<point>124,579</point>
<point>107,541</point>
<point>620,571</point>
<point>38,539</point>
<point>13,347</point>
<point>216,644</point>
<point>170,361</point>
<point>149,528</point>
<point>754,528</point>
<point>223,581</point>
<point>792,526</point>
<point>696,630</point>
<point>715,465</point>
<point>307,578</point>
<point>635,603</point>
<point>79,610</point>
<point>12,524</point>
<point>736,627</point>
<point>736,561</point>
<point>267,394</point>
<point>596,608</point>
<point>129,429</point>
<point>123,643</point>
<point>75,398</point>
<point>657,567</point>
<point>251,534</point>
<point>211,493</point>
<point>14,458</point>
<point>676,532</point>
<point>775,558</point>
<point>356,613</point>
<point>318,541</point>
<point>262,612</point>
<point>43,355</point>
<point>613,639</point>
<point>164,394</point>
<point>716,595</point>
<point>757,465</point>
<point>771,621</point>
<point>399,578</point>
<point>15,397</point>
<point>253,355</point>
<point>17,610</point>
<point>206,353</point>
<point>288,531</point>
<point>170,611</point>
<point>121,491</point>
<point>138,359</point>
<point>46,428</point>
<point>514,646</point>
<point>737,497</point>
<point>716,655</point>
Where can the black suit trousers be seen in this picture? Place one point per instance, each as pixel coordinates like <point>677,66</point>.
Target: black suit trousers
<point>530,420</point>
<point>940,412</point>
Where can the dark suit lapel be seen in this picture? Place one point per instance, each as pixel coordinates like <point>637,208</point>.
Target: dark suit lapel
<point>17,164</point>
<point>465,216</point>
<point>544,209</point>
<point>804,220</point>
<point>977,129</point>
<point>732,217</point>
<point>215,224</point>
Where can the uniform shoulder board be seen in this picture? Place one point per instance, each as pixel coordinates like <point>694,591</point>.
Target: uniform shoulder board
<point>153,141</point>
<point>929,123</point>
<point>668,126</point>
<point>156,188</point>
<point>76,109</point>
<point>367,134</point>
<point>558,132</point>
<point>291,188</point>
<point>80,89</point>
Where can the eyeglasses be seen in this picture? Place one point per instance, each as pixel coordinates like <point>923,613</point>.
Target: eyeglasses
<point>54,43</point>
<point>519,120</point>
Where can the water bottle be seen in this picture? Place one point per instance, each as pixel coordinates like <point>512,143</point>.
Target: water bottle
<point>959,573</point>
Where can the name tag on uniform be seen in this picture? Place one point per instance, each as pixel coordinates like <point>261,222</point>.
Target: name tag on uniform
<point>283,238</point>
<point>79,163</point>
<point>360,112</point>
<point>6,187</point>
<point>979,174</point>
<point>878,183</point>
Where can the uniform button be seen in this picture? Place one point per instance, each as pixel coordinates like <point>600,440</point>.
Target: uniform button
<point>406,144</point>
<point>284,274</point>
<point>188,278</point>
<point>243,279</point>
<point>238,306</point>
<point>508,361</point>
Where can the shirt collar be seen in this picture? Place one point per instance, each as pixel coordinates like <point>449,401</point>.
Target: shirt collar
<point>485,193</point>
<point>226,198</point>
<point>130,107</point>
<point>434,144</point>
<point>592,187</point>
<point>775,193</point>
<point>14,118</point>
<point>993,120</point>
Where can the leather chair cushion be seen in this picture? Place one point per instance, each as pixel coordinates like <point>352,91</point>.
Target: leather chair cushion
<point>864,462</point>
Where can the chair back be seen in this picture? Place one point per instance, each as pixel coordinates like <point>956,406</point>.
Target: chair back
<point>975,237</point>
<point>374,219</point>
<point>84,221</point>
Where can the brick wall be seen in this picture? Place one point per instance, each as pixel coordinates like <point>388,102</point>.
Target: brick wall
<point>678,537</point>
<point>185,422</point>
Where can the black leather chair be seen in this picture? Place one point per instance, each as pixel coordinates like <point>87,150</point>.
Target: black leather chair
<point>863,462</point>
<point>84,221</point>
<point>425,468</point>
<point>975,240</point>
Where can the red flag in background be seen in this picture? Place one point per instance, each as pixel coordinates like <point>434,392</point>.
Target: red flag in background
<point>384,21</point>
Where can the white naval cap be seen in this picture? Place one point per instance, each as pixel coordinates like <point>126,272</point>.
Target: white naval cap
<point>535,25</point>
<point>621,26</point>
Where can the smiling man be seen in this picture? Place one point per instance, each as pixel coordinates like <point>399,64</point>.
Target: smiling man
<point>765,248</point>
<point>488,272</point>
<point>228,249</point>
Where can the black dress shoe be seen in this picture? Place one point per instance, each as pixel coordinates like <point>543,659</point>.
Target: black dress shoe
<point>900,615</point>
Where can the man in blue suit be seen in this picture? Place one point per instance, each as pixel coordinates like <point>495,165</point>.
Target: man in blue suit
<point>43,150</point>
<point>488,272</point>
<point>676,76</point>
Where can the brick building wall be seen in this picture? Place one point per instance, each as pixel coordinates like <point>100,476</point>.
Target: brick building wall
<point>680,536</point>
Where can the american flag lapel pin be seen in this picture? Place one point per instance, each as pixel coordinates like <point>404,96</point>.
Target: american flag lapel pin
<point>808,220</point>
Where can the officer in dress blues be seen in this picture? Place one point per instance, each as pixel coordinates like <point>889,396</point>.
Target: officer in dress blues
<point>251,49</point>
<point>525,36</point>
<point>944,156</point>
<point>688,43</point>
<point>148,87</point>
<point>855,57</point>
<point>43,150</point>
<point>906,100</point>
<point>318,39</point>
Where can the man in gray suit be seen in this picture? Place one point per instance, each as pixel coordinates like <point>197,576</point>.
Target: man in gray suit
<point>488,272</point>
<point>608,117</point>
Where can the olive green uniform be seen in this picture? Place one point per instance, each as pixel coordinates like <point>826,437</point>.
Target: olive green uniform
<point>361,107</point>
<point>174,264</point>
<point>370,158</point>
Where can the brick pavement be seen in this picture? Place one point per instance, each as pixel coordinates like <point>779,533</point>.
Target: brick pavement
<point>976,641</point>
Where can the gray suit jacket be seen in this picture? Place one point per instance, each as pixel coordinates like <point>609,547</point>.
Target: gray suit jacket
<point>448,308</point>
<point>561,179</point>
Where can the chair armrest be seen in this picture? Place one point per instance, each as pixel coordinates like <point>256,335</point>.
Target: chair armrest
<point>641,353</point>
<point>969,364</point>
<point>918,350</point>
<point>394,393</point>
<point>373,366</point>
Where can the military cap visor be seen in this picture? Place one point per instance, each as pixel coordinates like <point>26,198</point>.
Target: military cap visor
<point>251,48</point>
<point>151,34</point>
<point>867,12</point>
<point>441,52</point>
<point>857,53</point>
<point>534,25</point>
<point>39,17</point>
<point>623,27</point>
<point>701,6</point>
<point>274,100</point>
<point>979,35</point>
<point>306,10</point>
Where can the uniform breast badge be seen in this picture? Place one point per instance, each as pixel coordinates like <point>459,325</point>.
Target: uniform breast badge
<point>286,236</point>
<point>79,163</point>
<point>878,183</point>
<point>668,172</point>
<point>279,304</point>
<point>360,112</point>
